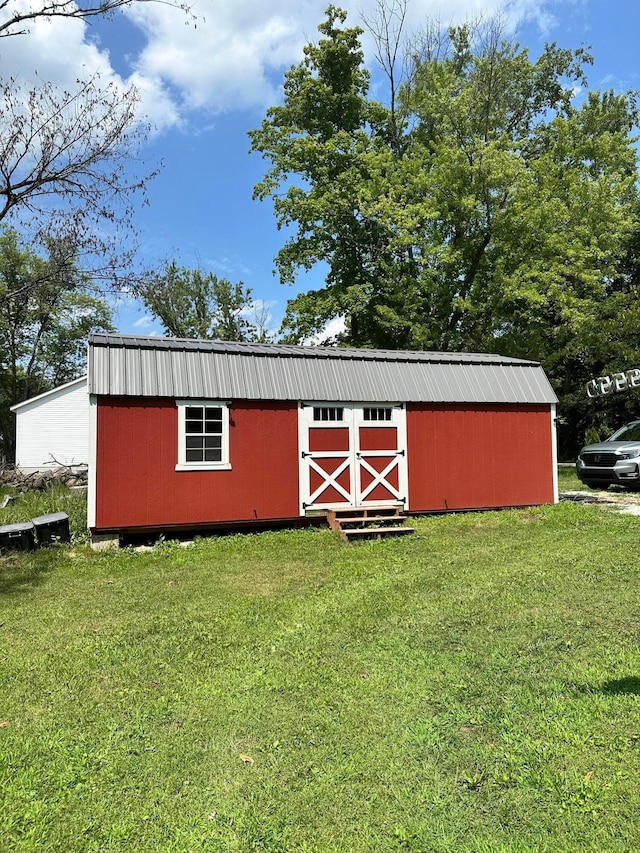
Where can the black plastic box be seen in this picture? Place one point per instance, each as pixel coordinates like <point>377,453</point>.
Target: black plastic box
<point>17,537</point>
<point>52,528</point>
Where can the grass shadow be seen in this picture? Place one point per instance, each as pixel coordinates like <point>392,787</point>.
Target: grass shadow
<point>628,686</point>
<point>21,571</point>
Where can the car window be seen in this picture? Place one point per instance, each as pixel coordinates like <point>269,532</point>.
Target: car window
<point>629,432</point>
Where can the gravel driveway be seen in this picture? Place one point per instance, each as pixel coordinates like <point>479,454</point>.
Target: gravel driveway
<point>614,498</point>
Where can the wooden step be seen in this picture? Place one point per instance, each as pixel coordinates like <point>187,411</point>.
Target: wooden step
<point>359,533</point>
<point>373,519</point>
<point>342,511</point>
<point>354,514</point>
<point>358,523</point>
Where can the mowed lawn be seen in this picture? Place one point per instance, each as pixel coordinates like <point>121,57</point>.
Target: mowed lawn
<point>474,687</point>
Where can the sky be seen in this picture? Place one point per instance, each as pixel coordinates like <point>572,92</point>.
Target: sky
<point>205,80</point>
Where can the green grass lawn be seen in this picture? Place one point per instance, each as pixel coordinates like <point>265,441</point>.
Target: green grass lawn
<point>568,480</point>
<point>474,687</point>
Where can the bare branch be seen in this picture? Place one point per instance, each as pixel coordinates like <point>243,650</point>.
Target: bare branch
<point>386,25</point>
<point>67,165</point>
<point>16,18</point>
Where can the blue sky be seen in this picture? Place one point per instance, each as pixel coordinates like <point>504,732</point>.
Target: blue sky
<point>203,87</point>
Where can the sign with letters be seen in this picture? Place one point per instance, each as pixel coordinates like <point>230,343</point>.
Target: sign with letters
<point>615,383</point>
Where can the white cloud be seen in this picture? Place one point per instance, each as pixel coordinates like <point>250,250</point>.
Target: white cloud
<point>60,51</point>
<point>232,57</point>
<point>54,50</point>
<point>333,328</point>
<point>145,326</point>
<point>235,56</point>
<point>230,266</point>
<point>144,322</point>
<point>224,62</point>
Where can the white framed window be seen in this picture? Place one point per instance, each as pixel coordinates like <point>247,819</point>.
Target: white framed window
<point>376,413</point>
<point>203,435</point>
<point>328,413</point>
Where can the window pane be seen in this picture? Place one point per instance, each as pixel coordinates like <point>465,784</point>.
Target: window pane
<point>194,451</point>
<point>377,414</point>
<point>327,413</point>
<point>193,419</point>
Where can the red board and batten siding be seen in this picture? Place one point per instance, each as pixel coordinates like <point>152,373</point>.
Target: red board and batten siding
<point>459,457</point>
<point>137,450</point>
<point>479,456</point>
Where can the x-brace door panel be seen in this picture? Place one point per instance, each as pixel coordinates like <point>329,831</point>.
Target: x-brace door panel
<point>380,455</point>
<point>352,455</point>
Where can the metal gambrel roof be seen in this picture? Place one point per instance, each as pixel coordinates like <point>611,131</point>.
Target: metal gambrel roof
<point>127,365</point>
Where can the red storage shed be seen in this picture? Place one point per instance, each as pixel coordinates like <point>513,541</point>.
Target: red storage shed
<point>186,434</point>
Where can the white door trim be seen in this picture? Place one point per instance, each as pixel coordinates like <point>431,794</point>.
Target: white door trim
<point>93,461</point>
<point>355,458</point>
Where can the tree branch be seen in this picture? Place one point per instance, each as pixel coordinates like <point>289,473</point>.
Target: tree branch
<point>15,24</point>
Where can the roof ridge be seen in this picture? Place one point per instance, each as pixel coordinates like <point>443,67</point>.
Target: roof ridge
<point>299,351</point>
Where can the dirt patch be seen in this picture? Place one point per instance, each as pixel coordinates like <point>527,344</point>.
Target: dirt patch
<point>617,500</point>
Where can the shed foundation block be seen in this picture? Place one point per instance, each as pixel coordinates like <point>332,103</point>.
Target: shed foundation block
<point>104,541</point>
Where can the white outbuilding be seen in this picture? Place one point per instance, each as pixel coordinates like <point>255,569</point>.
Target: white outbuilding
<point>52,429</point>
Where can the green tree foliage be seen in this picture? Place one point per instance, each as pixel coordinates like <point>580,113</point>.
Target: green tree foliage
<point>48,310</point>
<point>194,304</point>
<point>483,207</point>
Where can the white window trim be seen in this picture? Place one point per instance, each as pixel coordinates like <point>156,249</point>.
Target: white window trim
<point>225,463</point>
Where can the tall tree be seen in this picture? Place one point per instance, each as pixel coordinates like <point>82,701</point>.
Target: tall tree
<point>320,136</point>
<point>48,311</point>
<point>194,304</point>
<point>479,209</point>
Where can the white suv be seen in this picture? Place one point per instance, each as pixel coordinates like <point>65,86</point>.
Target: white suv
<point>614,461</point>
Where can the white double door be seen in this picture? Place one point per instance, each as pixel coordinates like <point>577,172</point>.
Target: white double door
<point>352,455</point>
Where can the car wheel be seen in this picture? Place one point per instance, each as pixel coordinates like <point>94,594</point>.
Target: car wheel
<point>600,486</point>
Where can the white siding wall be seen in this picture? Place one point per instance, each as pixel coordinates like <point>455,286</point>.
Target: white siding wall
<point>54,426</point>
